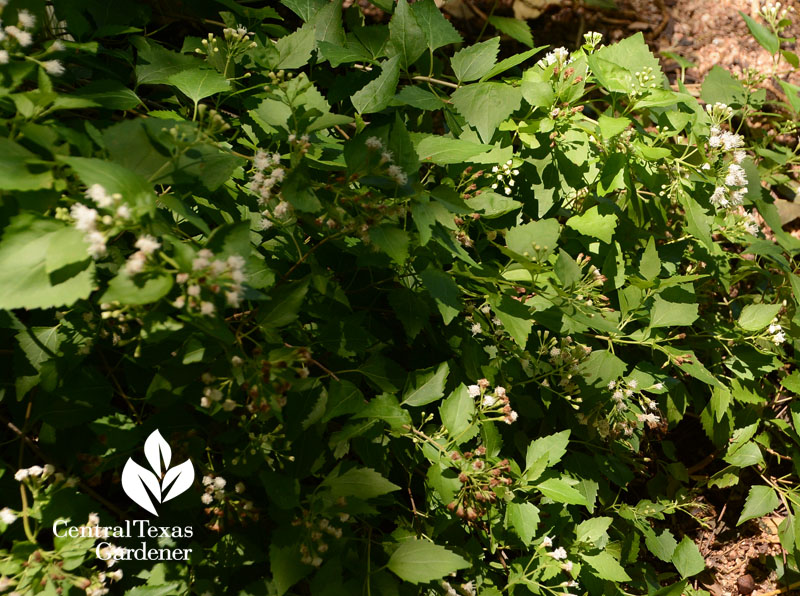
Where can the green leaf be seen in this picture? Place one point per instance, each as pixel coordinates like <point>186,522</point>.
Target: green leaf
<point>536,239</point>
<point>437,30</point>
<point>391,240</point>
<point>524,519</point>
<point>760,501</point>
<point>471,63</point>
<point>612,177</point>
<point>672,314</point>
<point>591,223</point>
<point>418,561</point>
<point>198,84</point>
<point>687,558</point>
<point>385,407</point>
<point>720,86</point>
<point>614,65</point>
<point>137,290</point>
<point>343,398</point>
<point>420,98</point>
<point>515,317</point>
<point>560,491</point>
<point>515,28</point>
<point>492,204</point>
<point>155,65</point>
<point>593,530</point>
<point>650,265</point>
<point>567,270</point>
<point>444,291</point>
<point>457,411</point>
<point>363,483</point>
<point>407,40</point>
<point>427,387</point>
<point>328,23</point>
<point>286,567</point>
<point>606,567</point>
<point>284,305</point>
<point>763,34</point>
<point>377,94</point>
<point>15,174</point>
<point>443,151</point>
<point>24,278</point>
<point>295,49</point>
<point>553,446</point>
<point>754,317</point>
<point>663,546</point>
<point>305,9</point>
<point>486,105</point>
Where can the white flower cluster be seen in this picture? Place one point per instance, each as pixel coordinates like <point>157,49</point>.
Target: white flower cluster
<point>15,37</point>
<point>7,516</point>
<point>393,171</point>
<point>111,554</point>
<point>559,56</point>
<point>34,472</point>
<point>751,223</point>
<point>213,395</point>
<point>147,245</point>
<point>494,401</point>
<point>504,177</point>
<point>778,336</point>
<point>559,554</point>
<point>466,588</point>
<point>774,12</point>
<point>592,39</point>
<point>645,80</point>
<point>268,174</point>
<point>89,220</point>
<point>217,276</point>
<point>214,489</point>
<point>732,191</point>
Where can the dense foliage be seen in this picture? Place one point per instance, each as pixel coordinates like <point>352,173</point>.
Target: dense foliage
<point>425,320</point>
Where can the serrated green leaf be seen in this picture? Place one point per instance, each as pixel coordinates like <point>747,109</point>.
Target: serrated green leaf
<point>437,30</point>
<point>515,28</point>
<point>407,40</point>
<point>687,558</point>
<point>650,265</point>
<point>472,62</point>
<point>592,223</point>
<point>418,561</point>
<point>760,501</point>
<point>377,94</point>
<point>457,411</point>
<point>486,105</point>
<point>560,491</point>
<point>763,34</point>
<point>198,84</point>
<point>606,567</point>
<point>672,314</point>
<point>523,518</point>
<point>362,483</point>
<point>427,387</point>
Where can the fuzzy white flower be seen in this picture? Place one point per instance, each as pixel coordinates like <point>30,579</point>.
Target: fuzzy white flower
<point>559,553</point>
<point>281,209</point>
<point>718,198</point>
<point>658,386</point>
<point>147,244</point>
<point>476,329</point>
<point>736,176</point>
<point>85,217</point>
<point>23,37</point>
<point>474,390</point>
<point>779,338</point>
<point>26,19</point>
<point>123,212</point>
<point>4,57</point>
<point>374,144</point>
<point>35,471</point>
<point>207,498</point>
<point>220,482</point>
<point>397,174</point>
<point>633,383</point>
<point>53,67</point>
<point>547,542</point>
<point>7,516</point>
<point>135,263</point>
<point>21,475</point>
<point>207,308</point>
<point>489,400</point>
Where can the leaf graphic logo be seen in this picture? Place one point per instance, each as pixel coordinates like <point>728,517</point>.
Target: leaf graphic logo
<point>140,484</point>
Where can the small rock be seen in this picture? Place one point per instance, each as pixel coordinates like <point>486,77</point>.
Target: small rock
<point>746,585</point>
